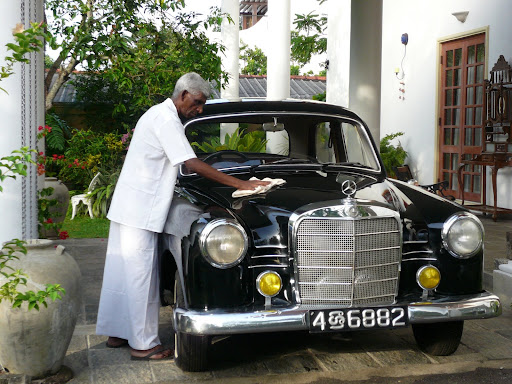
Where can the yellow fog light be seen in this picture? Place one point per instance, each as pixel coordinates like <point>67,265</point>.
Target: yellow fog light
<point>269,283</point>
<point>428,277</point>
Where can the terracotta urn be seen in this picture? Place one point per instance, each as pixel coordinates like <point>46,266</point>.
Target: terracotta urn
<point>58,211</point>
<point>35,342</point>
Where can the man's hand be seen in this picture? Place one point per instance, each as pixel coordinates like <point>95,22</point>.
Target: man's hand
<point>249,185</point>
<point>203,169</point>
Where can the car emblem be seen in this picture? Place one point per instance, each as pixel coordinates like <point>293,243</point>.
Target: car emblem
<point>349,188</point>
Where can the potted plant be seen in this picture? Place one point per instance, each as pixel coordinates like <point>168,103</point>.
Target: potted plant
<point>392,155</point>
<point>34,334</point>
<point>52,200</point>
<point>35,327</point>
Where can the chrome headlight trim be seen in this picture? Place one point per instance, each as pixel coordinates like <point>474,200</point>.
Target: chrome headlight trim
<point>448,226</point>
<point>203,242</point>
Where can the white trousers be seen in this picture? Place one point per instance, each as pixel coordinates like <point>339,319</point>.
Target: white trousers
<point>130,300</point>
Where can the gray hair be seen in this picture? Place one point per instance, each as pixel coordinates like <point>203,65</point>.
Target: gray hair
<point>192,83</point>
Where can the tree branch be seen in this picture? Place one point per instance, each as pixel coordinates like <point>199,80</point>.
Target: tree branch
<point>51,90</point>
<point>61,79</point>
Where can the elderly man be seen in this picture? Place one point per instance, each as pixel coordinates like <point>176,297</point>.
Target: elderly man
<point>129,303</point>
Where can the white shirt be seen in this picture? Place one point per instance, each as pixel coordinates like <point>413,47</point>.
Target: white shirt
<point>145,187</point>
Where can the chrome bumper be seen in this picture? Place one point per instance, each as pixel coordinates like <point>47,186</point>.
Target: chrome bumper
<point>220,322</point>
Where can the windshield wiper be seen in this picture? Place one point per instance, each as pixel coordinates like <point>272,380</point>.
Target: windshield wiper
<point>291,161</point>
<point>348,164</point>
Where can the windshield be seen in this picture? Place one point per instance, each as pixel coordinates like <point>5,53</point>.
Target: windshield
<point>272,139</point>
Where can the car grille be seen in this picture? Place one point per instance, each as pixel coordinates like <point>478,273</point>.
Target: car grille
<point>347,262</point>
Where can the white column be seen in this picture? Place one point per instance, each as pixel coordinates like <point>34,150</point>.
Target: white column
<point>22,111</point>
<point>354,48</point>
<point>230,40</point>
<point>278,60</point>
<point>230,60</point>
<point>365,62</point>
<point>338,52</point>
<point>278,65</point>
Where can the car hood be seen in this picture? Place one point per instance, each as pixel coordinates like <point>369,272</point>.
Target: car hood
<point>266,216</point>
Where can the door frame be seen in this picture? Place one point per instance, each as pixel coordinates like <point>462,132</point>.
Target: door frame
<point>438,95</point>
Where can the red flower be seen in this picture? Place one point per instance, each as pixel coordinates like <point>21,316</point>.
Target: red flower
<point>49,221</point>
<point>40,169</point>
<point>41,153</point>
<point>40,128</point>
<point>63,235</point>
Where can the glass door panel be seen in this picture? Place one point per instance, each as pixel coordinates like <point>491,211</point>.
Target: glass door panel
<point>461,113</point>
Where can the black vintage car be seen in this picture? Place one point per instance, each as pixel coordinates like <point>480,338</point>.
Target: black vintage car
<point>337,247</point>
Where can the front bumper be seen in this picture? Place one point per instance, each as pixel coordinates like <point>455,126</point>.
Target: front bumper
<point>220,322</point>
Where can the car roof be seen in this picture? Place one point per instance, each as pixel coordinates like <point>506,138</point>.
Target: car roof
<point>222,106</point>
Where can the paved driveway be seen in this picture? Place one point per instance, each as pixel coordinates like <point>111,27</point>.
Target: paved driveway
<point>292,357</point>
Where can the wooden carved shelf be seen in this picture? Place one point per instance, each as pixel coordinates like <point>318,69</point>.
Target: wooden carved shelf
<point>497,142</point>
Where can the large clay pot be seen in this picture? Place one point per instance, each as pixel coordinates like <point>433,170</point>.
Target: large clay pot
<point>35,342</point>
<point>58,211</point>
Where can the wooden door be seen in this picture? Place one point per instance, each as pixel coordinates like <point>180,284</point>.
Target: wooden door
<point>461,113</point>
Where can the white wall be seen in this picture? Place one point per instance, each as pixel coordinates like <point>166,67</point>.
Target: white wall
<point>426,22</point>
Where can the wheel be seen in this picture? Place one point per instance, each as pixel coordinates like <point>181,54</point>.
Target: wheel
<point>220,154</point>
<point>190,351</point>
<point>438,339</point>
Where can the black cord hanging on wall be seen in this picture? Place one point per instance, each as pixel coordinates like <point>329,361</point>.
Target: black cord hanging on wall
<point>405,40</point>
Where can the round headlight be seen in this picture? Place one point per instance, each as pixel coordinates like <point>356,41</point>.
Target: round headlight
<point>223,242</point>
<point>268,283</point>
<point>463,235</point>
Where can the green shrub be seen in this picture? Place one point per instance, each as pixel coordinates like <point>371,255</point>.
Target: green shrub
<point>103,192</point>
<point>56,139</point>
<point>320,96</point>
<point>87,153</point>
<point>239,141</point>
<point>392,156</point>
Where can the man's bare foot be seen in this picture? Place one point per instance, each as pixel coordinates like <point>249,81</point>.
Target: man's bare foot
<point>155,353</point>
<point>116,342</point>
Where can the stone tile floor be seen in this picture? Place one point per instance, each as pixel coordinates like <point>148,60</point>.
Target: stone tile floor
<point>283,356</point>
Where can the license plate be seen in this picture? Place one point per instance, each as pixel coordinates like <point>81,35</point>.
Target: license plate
<point>353,319</point>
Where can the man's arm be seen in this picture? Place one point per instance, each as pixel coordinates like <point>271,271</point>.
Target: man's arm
<point>203,169</point>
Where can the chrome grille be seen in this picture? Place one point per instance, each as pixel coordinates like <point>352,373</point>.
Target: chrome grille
<point>347,262</point>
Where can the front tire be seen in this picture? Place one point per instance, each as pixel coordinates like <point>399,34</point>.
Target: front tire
<point>190,351</point>
<point>438,339</point>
